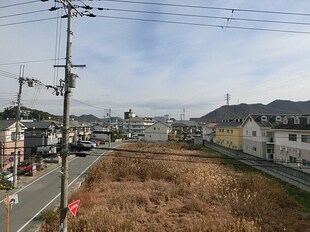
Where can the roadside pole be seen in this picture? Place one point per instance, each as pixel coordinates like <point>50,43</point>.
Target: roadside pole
<point>21,82</point>
<point>110,129</point>
<point>65,130</point>
<point>7,207</point>
<point>69,83</point>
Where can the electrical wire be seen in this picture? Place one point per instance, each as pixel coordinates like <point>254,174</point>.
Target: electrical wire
<point>205,16</point>
<point>8,75</point>
<point>29,21</point>
<point>24,13</point>
<point>18,4</point>
<point>205,25</point>
<point>90,105</point>
<point>31,61</point>
<point>209,7</point>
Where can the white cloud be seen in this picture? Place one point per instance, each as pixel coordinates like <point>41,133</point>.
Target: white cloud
<point>158,68</point>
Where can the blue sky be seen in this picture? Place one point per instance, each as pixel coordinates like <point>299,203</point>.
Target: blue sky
<point>159,68</point>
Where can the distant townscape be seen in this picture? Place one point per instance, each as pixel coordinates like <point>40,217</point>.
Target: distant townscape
<point>278,132</point>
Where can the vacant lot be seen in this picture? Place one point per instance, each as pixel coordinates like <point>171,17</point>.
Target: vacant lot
<point>176,191</point>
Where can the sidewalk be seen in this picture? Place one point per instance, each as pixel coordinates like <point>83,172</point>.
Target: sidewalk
<point>24,180</point>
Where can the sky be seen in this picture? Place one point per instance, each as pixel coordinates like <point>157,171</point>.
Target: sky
<point>157,64</point>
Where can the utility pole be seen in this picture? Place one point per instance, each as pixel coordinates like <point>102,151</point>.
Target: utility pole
<point>21,82</point>
<point>65,130</point>
<point>110,129</point>
<point>69,83</point>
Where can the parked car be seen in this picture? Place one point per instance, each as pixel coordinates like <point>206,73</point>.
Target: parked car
<point>87,144</point>
<point>22,168</point>
<point>97,142</point>
<point>81,146</point>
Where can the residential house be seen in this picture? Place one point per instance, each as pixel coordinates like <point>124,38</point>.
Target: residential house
<point>184,130</point>
<point>137,125</point>
<point>158,132</point>
<point>292,142</point>
<point>258,138</point>
<point>229,134</point>
<point>79,131</point>
<point>208,132</point>
<point>7,142</point>
<point>100,132</point>
<point>41,138</point>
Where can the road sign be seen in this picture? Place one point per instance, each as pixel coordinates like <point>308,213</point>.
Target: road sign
<point>73,207</point>
<point>11,159</point>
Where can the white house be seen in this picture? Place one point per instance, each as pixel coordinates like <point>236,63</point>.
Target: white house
<point>258,138</point>
<point>292,142</point>
<point>137,125</point>
<point>157,132</point>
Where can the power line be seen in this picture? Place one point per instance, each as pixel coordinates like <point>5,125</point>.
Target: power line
<point>90,105</point>
<point>206,25</point>
<point>210,7</point>
<point>18,4</point>
<point>24,13</point>
<point>8,74</point>
<point>29,21</point>
<point>32,61</point>
<point>204,16</point>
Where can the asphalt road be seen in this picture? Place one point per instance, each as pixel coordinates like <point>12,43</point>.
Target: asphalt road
<point>44,192</point>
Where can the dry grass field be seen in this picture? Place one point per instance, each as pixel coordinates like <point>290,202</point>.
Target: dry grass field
<point>163,192</point>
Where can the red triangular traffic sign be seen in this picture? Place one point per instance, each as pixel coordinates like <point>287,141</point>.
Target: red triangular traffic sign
<point>73,207</point>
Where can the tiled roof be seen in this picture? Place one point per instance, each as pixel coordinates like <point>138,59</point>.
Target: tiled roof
<point>4,124</point>
<point>290,125</point>
<point>229,124</point>
<point>38,125</point>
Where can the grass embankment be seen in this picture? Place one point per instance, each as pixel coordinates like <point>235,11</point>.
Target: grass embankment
<point>148,192</point>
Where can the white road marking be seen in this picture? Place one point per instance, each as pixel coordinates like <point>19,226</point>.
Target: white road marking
<point>58,194</point>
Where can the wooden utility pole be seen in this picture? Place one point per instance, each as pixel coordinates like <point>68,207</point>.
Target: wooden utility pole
<point>21,82</point>
<point>7,207</point>
<point>110,129</point>
<point>65,130</point>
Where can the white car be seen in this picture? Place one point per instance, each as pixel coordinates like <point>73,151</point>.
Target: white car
<point>89,144</point>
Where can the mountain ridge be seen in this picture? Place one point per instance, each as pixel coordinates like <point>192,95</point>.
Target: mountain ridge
<point>243,109</point>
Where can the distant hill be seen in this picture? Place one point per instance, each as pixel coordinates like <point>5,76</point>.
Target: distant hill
<point>86,118</point>
<point>92,118</point>
<point>27,113</point>
<point>242,110</point>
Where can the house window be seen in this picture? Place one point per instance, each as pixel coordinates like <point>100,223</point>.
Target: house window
<point>278,119</point>
<point>13,136</point>
<point>227,131</point>
<point>264,118</point>
<point>292,137</point>
<point>154,128</point>
<point>231,131</point>
<point>296,120</point>
<point>254,133</point>
<point>246,132</point>
<point>305,138</point>
<point>254,149</point>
